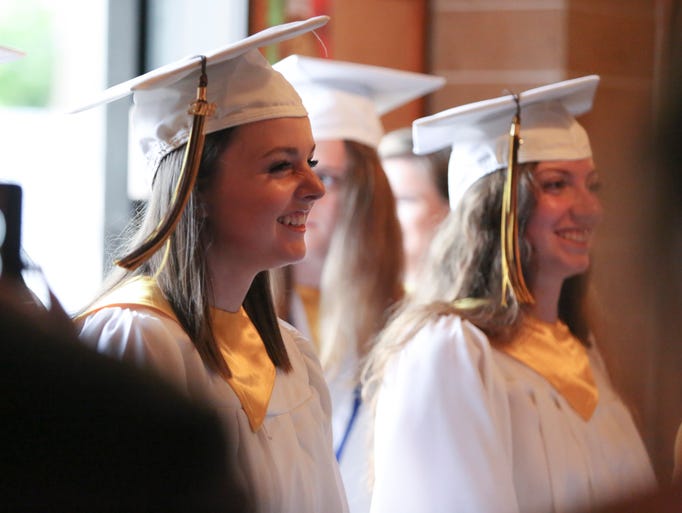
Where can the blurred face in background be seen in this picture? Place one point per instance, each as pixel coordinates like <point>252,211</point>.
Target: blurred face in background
<point>420,206</point>
<point>331,169</point>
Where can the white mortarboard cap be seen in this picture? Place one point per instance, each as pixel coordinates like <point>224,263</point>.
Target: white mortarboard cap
<point>478,133</point>
<point>182,102</point>
<point>241,83</point>
<point>9,54</point>
<point>346,100</point>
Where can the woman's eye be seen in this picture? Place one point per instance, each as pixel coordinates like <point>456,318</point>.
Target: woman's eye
<point>328,180</point>
<point>280,166</point>
<point>312,163</point>
<point>553,185</point>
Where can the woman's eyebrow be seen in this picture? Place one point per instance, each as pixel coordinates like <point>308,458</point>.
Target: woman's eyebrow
<point>554,170</point>
<point>290,150</point>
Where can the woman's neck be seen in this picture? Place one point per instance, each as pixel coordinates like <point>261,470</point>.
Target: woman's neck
<point>229,287</point>
<point>546,294</point>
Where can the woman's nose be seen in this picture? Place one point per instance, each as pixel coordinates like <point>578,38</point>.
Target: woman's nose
<point>588,207</point>
<point>312,187</point>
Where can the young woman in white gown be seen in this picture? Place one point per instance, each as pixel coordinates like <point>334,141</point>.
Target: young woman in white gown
<point>192,301</point>
<point>491,393</point>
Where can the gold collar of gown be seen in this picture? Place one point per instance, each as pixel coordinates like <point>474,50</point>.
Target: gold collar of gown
<point>253,373</point>
<point>556,354</point>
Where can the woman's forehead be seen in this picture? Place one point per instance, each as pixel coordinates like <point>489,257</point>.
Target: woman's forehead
<point>585,165</point>
<point>266,135</point>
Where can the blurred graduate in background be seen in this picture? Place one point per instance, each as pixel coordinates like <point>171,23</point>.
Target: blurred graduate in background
<point>420,186</point>
<point>491,394</point>
<point>342,291</point>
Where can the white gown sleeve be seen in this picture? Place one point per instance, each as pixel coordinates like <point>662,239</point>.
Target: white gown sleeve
<point>144,339</point>
<point>442,439</point>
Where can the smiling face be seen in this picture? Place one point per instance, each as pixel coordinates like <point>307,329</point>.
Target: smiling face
<point>259,199</point>
<point>560,229</point>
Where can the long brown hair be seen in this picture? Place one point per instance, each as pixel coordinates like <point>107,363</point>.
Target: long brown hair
<point>362,276</point>
<point>464,262</point>
<point>181,271</point>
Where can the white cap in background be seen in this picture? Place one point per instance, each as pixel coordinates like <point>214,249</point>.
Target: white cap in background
<point>345,100</point>
<point>478,133</point>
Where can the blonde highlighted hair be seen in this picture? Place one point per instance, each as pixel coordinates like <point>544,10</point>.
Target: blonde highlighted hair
<point>464,264</point>
<point>362,276</point>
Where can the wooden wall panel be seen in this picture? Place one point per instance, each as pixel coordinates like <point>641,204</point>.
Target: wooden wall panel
<point>484,47</point>
<point>389,33</point>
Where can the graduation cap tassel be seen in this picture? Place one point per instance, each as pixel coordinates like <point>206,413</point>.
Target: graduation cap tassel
<point>512,274</point>
<point>199,109</point>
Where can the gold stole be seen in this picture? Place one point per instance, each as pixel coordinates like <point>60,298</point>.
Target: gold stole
<point>310,297</point>
<point>552,351</point>
<point>253,373</point>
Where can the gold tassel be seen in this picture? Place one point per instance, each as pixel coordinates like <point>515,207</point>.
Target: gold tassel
<point>199,109</point>
<point>512,274</point>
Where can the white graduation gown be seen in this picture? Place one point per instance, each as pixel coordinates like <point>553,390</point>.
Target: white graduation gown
<point>354,456</point>
<point>346,424</point>
<point>287,465</point>
<point>461,427</point>
<point>355,428</point>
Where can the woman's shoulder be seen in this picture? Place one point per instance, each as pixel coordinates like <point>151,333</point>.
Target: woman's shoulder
<point>140,335</point>
<point>299,347</point>
<point>444,343</point>
<point>123,324</point>
<point>449,360</point>
<point>449,332</point>
<point>292,334</point>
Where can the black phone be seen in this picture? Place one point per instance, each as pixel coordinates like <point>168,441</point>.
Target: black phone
<point>10,230</point>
